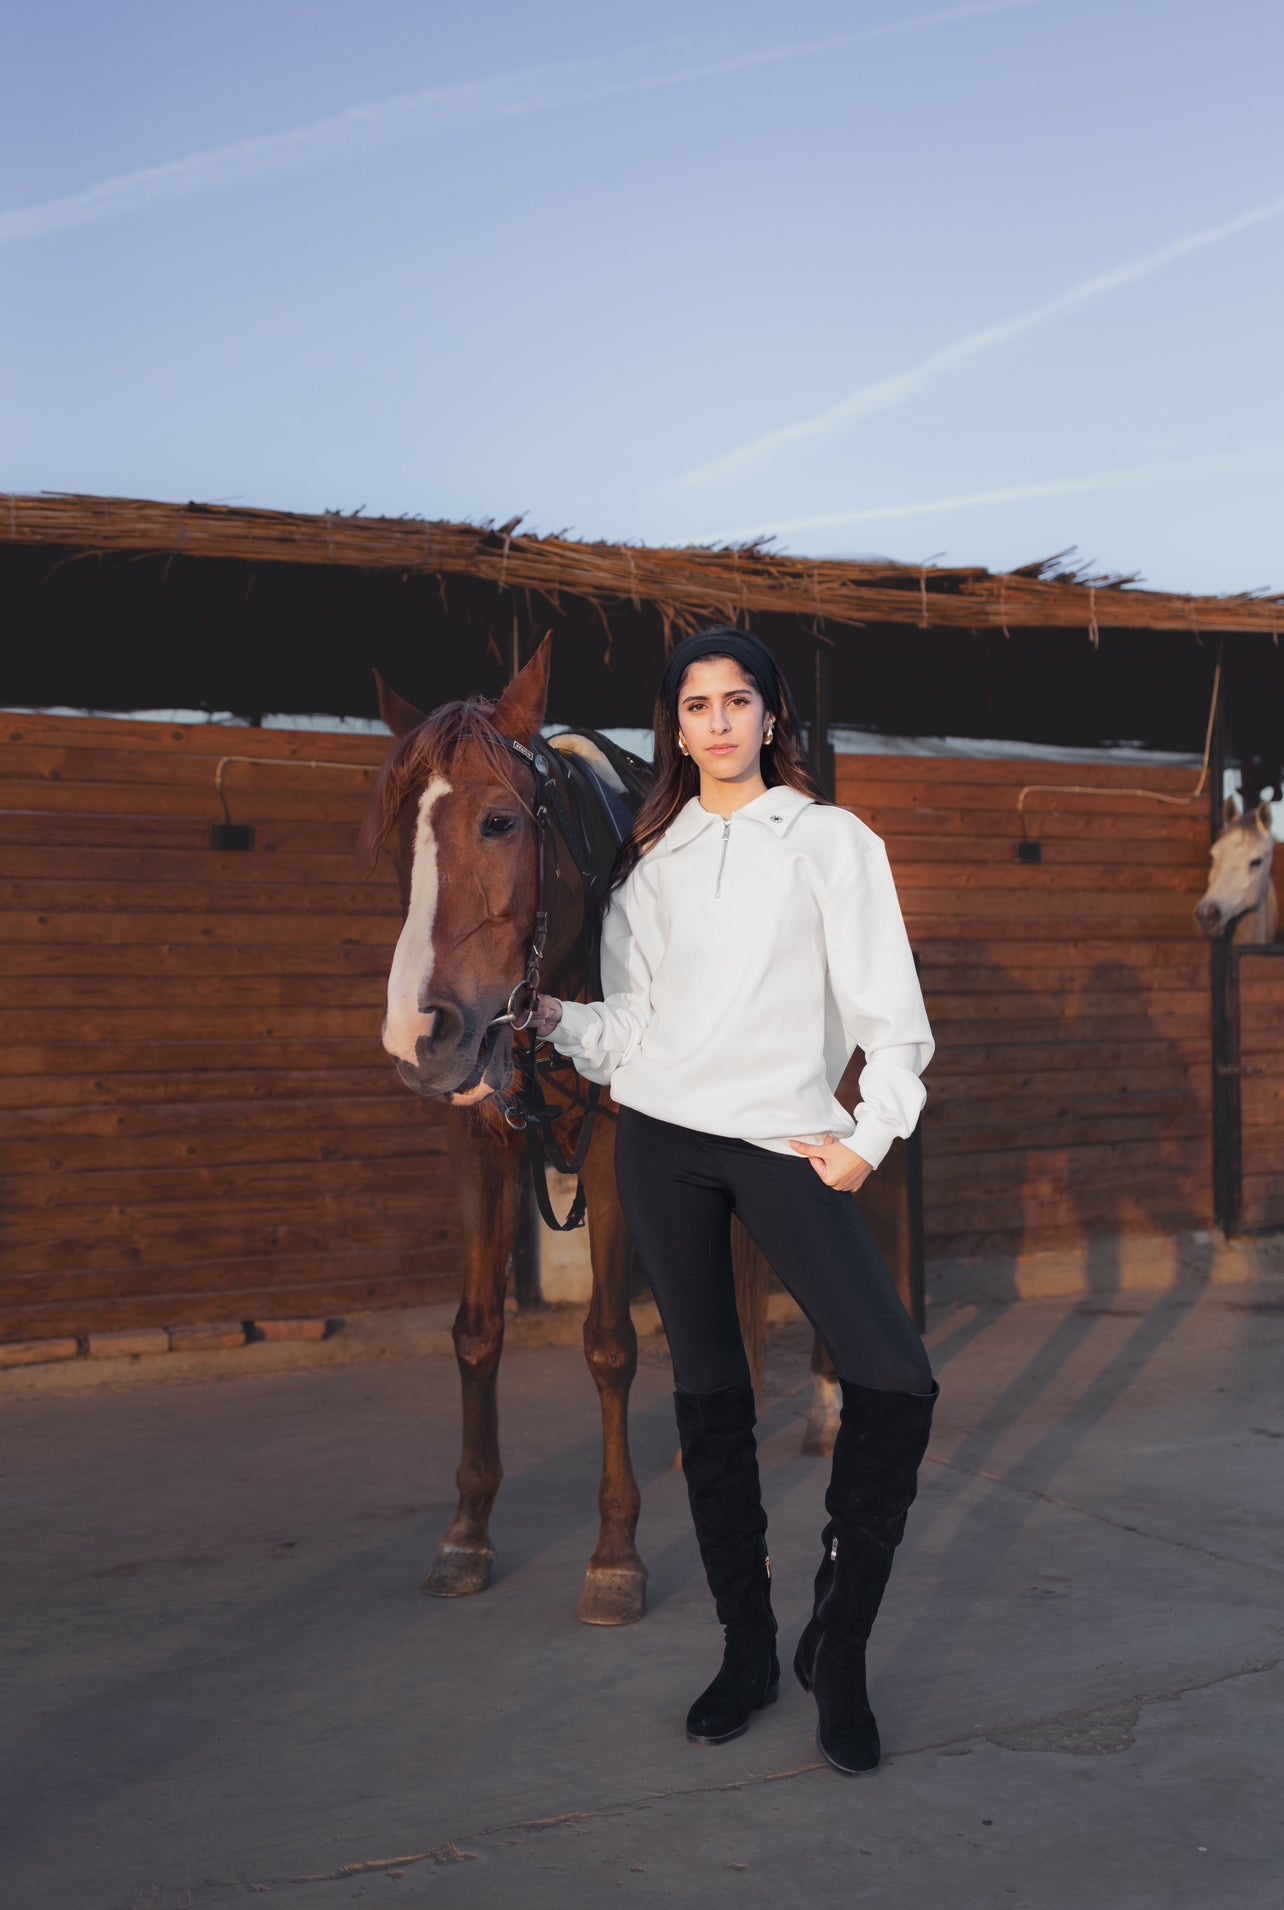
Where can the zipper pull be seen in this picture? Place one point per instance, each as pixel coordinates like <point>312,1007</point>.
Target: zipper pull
<point>722,858</point>
<point>767,1563</point>
<point>833,1550</point>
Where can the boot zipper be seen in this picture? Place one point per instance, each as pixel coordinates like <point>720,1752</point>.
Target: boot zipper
<point>722,859</point>
<point>820,1609</point>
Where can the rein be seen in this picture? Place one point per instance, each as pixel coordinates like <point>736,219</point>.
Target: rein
<point>528,1112</point>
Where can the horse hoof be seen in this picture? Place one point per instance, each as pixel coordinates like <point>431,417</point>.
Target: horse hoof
<point>819,1436</point>
<point>459,1571</point>
<point>613,1595</point>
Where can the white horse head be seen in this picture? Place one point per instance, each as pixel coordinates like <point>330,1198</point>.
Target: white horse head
<point>1240,897</point>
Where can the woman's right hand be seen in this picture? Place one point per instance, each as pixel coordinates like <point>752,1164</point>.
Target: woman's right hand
<point>548,1012</point>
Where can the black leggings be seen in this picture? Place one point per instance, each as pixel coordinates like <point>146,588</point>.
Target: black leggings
<point>679,1190</point>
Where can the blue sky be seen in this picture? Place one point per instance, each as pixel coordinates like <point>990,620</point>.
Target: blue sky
<point>979,281</point>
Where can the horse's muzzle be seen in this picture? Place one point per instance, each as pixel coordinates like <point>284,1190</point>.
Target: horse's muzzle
<point>458,1066</point>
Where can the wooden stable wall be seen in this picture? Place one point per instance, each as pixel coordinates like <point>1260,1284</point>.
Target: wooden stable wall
<point>1070,1097</point>
<point>197,1121</point>
<point>1261,1010</point>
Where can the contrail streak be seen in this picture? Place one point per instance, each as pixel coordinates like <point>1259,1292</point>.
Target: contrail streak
<point>888,394</point>
<point>439,109</point>
<point>1216,464</point>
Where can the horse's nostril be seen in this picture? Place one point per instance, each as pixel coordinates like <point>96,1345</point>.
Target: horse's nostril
<point>443,1024</point>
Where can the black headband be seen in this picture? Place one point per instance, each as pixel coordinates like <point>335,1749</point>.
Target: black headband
<point>747,651</point>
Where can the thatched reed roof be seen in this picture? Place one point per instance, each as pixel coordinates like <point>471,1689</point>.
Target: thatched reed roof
<point>687,585</point>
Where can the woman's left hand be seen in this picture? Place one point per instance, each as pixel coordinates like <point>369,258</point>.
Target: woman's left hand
<point>837,1165</point>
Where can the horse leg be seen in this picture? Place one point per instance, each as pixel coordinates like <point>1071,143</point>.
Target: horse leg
<point>821,1429</point>
<point>487,1177</point>
<point>615,1581</point>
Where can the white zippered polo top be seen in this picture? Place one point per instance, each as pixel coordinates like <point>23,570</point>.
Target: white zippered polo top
<point>744,959</point>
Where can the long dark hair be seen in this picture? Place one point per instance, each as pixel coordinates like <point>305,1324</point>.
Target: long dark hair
<point>676,777</point>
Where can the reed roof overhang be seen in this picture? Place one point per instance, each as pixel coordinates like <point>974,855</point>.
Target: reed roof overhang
<point>687,584</point>
<point>125,604</point>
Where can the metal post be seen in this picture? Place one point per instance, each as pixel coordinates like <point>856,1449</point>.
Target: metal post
<point>822,749</point>
<point>1224,978</point>
<point>915,1228</point>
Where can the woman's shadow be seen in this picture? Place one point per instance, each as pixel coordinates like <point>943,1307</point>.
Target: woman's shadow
<point>1135,1154</point>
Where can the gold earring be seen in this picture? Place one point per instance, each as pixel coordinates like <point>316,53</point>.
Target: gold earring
<point>682,745</point>
<point>769,734</point>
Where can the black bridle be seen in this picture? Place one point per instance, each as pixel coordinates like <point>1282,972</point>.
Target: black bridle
<point>555,811</point>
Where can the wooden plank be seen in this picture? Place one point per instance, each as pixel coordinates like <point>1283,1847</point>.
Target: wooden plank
<point>961,791</point>
<point>925,848</point>
<point>40,731</point>
<point>86,1274</point>
<point>1015,924</point>
<point>1049,879</point>
<point>170,1191</point>
<point>314,1137</point>
<point>162,1087</point>
<point>965,974</point>
<point>21,1026</point>
<point>1132,1004</point>
<point>300,799</point>
<point>1051,950</point>
<point>983,1136</point>
<point>965,826</point>
<point>1107,1085</point>
<point>127,1247</point>
<point>851,767</point>
<point>1123,1031</point>
<point>143,868</point>
<point>225,896</point>
<point>93,766</point>
<point>1103,1196</point>
<point>39,828</point>
<point>1046,904</point>
<point>367,993</point>
<point>143,926</point>
<point>1101,1164</point>
<point>194,964</point>
<point>145,1057</point>
<point>1061,1056</point>
<point>1064,1230</point>
<point>1154,1206</point>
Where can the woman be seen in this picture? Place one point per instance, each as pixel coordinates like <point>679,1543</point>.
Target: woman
<point>754,940</point>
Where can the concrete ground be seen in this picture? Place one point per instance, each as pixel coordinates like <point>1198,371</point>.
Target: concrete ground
<point>223,1685</point>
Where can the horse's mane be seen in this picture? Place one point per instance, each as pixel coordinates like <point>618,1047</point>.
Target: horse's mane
<point>431,750</point>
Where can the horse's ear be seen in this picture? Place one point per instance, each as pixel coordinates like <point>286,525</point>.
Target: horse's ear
<point>520,710</point>
<point>1262,816</point>
<point>400,716</point>
<point>1230,811</point>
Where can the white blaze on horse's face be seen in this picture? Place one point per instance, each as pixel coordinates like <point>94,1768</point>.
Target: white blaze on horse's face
<point>405,1023</point>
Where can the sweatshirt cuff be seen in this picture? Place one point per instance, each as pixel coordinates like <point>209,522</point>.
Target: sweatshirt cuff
<point>873,1136</point>
<point>577,1021</point>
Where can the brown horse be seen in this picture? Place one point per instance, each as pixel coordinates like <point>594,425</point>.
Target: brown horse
<point>457,807</point>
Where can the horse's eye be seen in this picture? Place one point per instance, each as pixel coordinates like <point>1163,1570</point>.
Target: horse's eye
<point>498,824</point>
<point>1256,863</point>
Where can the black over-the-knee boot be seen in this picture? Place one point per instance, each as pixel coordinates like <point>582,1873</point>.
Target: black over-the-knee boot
<point>880,1445</point>
<point>720,1461</point>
